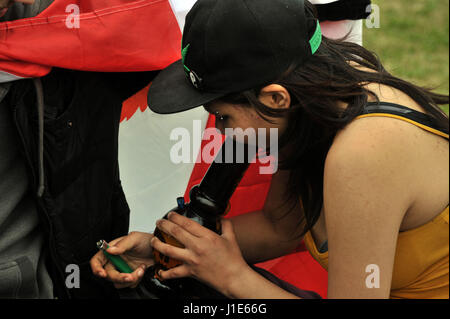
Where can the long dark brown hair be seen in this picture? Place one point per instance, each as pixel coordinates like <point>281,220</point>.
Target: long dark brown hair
<point>314,117</point>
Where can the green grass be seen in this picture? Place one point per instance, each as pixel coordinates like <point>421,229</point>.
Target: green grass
<point>413,41</point>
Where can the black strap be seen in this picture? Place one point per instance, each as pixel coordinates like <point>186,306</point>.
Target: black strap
<point>400,110</point>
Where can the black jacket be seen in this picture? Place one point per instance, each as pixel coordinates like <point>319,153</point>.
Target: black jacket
<point>82,200</point>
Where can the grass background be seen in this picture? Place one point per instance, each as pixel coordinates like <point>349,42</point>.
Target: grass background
<point>413,41</point>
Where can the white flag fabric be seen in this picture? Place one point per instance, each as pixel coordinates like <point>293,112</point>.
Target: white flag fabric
<point>151,181</point>
<point>181,8</point>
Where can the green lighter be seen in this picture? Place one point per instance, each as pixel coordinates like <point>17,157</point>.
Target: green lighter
<point>117,261</point>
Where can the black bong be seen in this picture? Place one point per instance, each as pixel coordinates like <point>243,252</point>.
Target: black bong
<point>209,201</point>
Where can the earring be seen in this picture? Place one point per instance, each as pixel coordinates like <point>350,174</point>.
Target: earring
<point>217,115</point>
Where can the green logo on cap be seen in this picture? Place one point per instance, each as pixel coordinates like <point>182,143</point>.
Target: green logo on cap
<point>183,56</point>
<point>316,39</point>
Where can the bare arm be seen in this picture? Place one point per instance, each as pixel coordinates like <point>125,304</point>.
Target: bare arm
<point>368,187</point>
<point>266,234</point>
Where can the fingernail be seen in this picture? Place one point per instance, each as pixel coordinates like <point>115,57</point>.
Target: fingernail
<point>140,272</point>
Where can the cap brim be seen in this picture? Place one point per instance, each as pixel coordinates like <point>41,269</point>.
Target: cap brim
<point>171,92</point>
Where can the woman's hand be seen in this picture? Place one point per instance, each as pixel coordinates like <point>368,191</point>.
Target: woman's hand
<point>135,249</point>
<point>211,258</point>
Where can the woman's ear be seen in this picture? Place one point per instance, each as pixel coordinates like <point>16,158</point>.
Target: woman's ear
<point>275,96</point>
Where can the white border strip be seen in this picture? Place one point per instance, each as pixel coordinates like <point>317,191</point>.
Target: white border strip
<point>180,8</point>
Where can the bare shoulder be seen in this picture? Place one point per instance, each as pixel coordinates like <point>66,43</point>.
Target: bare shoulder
<point>379,148</point>
<point>369,177</point>
<point>382,134</point>
<point>390,154</point>
<point>374,139</point>
<point>389,94</point>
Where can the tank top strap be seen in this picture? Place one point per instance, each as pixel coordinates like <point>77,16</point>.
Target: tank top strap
<point>422,120</point>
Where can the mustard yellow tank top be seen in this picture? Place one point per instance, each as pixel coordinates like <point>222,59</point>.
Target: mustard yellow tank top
<point>421,264</point>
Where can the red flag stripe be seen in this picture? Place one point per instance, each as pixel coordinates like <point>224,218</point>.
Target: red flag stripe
<point>30,47</point>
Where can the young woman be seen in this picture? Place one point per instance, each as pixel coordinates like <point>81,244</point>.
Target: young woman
<point>364,174</point>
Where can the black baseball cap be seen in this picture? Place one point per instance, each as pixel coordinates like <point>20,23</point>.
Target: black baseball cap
<point>230,46</point>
